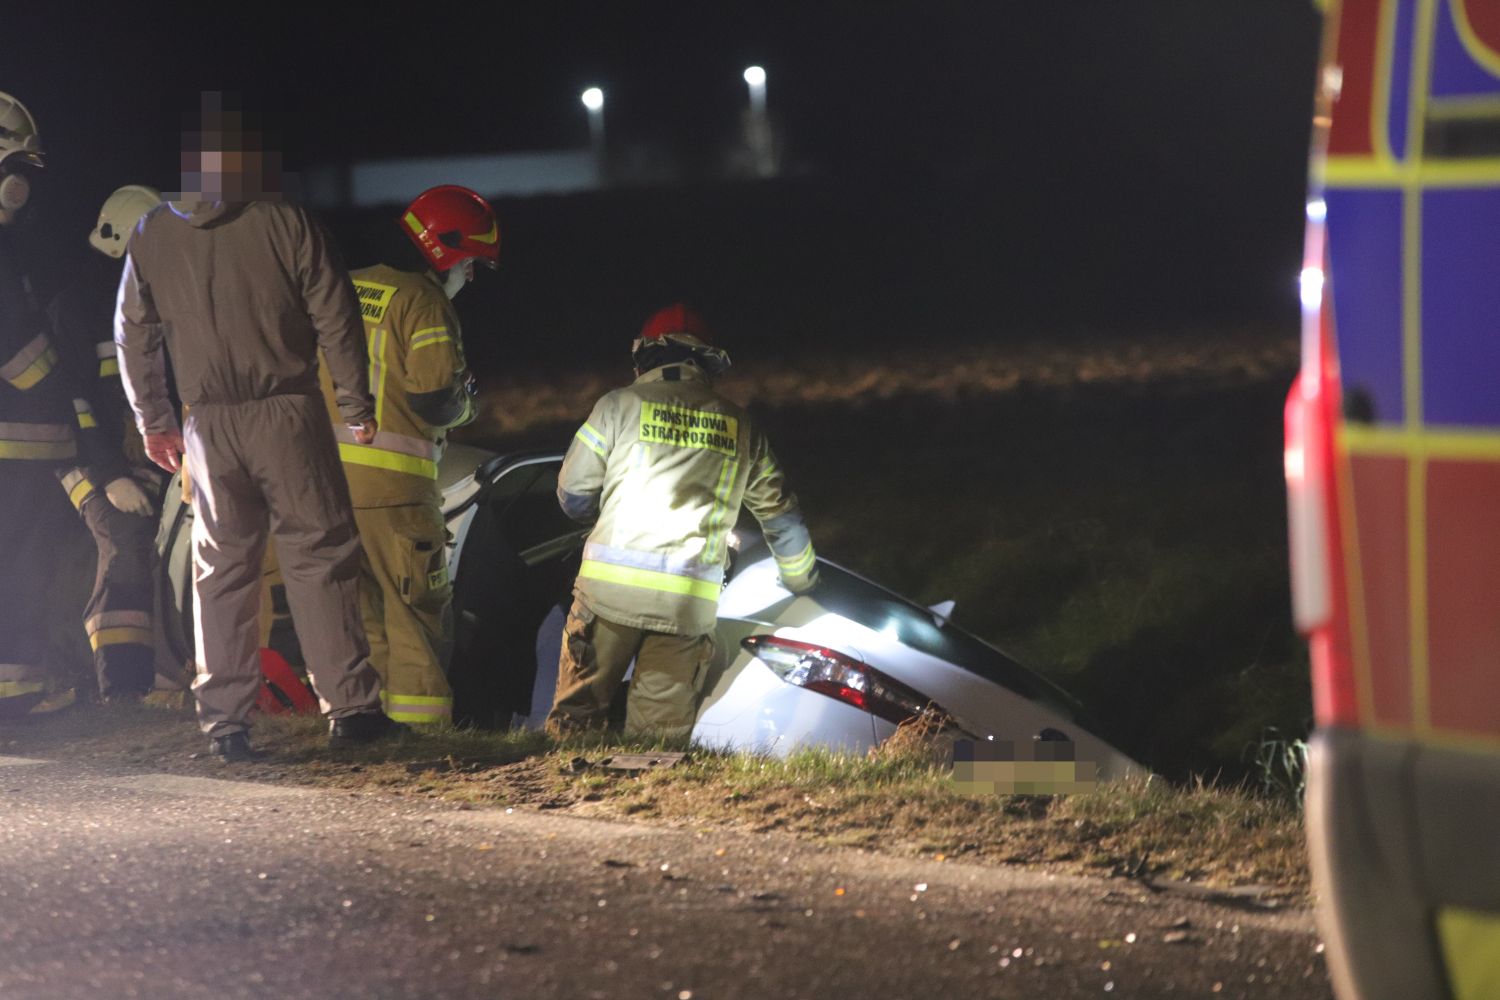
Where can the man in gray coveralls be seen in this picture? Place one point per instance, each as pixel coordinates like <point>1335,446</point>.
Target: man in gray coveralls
<point>242,289</point>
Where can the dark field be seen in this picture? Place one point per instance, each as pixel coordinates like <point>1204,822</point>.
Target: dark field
<point>1112,515</point>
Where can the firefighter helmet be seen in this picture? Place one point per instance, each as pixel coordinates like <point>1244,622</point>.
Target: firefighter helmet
<point>121,211</point>
<point>675,333</point>
<point>678,318</point>
<point>20,152</point>
<point>450,224</point>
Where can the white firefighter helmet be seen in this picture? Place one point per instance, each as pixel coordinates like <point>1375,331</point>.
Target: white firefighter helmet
<point>20,152</point>
<point>121,211</point>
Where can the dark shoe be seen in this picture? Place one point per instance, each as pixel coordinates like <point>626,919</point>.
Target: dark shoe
<point>234,747</point>
<point>366,727</point>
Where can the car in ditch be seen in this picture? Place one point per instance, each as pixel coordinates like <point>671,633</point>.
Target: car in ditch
<point>841,667</point>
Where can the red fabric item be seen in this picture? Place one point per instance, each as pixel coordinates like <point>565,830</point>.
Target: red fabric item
<point>278,676</point>
<point>676,318</point>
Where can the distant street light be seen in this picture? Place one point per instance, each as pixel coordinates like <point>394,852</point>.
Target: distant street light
<point>757,125</point>
<point>755,76</point>
<point>593,99</point>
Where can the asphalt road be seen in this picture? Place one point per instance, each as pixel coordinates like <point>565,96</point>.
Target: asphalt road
<point>117,884</point>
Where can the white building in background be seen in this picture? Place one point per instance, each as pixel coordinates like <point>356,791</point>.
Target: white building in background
<point>494,175</point>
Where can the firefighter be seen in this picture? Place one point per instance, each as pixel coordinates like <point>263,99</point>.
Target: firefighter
<point>37,442</point>
<point>661,469</point>
<point>116,493</point>
<point>423,389</point>
<point>243,290</point>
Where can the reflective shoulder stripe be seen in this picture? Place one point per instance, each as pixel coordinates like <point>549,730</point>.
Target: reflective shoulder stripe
<point>109,367</point>
<point>429,336</point>
<point>17,689</point>
<point>799,564</point>
<point>393,461</point>
<point>649,580</point>
<point>104,349</point>
<point>592,440</point>
<point>85,414</point>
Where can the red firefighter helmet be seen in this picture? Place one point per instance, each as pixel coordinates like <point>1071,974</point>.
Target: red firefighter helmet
<point>676,329</point>
<point>451,224</point>
<point>679,319</point>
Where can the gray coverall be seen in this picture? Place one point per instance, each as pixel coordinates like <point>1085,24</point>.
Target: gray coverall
<point>243,295</point>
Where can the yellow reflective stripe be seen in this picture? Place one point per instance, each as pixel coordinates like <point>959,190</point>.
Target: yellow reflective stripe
<point>431,718</point>
<point>430,342</point>
<point>79,492</point>
<point>1452,443</point>
<point>798,564</point>
<point>490,237</point>
<point>591,440</point>
<point>413,223</point>
<point>379,458</point>
<point>428,329</point>
<point>15,689</point>
<point>718,538</point>
<point>120,636</point>
<point>648,579</point>
<point>417,707</point>
<point>108,367</point>
<point>36,371</point>
<point>37,449</point>
<point>85,414</point>
<point>377,372</point>
<point>418,699</point>
<point>1471,949</point>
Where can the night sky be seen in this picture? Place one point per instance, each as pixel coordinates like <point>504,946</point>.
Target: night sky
<point>1150,153</point>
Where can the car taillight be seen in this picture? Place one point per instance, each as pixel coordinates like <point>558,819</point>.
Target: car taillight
<point>840,677</point>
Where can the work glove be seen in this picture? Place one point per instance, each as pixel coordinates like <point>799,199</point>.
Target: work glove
<point>128,497</point>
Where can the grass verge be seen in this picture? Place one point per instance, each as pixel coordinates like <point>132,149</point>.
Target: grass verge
<point>899,801</point>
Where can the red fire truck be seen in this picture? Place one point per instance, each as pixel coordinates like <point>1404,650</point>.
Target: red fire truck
<point>1393,479</point>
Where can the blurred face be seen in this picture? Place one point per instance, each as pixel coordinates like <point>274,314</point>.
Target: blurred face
<point>231,174</point>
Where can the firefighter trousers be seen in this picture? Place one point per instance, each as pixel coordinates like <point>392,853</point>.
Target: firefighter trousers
<point>272,464</point>
<point>118,616</point>
<point>34,516</point>
<point>668,679</point>
<point>406,599</point>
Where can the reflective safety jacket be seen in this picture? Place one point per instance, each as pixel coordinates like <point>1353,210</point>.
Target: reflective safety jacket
<point>664,465</point>
<point>37,415</point>
<point>417,373</point>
